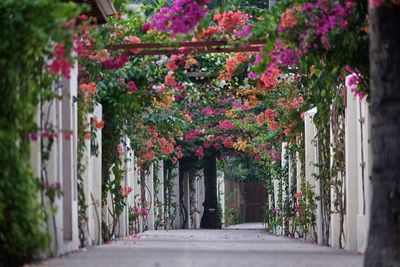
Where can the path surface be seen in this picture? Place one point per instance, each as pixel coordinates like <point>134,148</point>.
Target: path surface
<point>208,248</point>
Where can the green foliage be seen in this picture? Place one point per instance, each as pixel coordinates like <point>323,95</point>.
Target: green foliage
<point>242,168</point>
<point>26,28</point>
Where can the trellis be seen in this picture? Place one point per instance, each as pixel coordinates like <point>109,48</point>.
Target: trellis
<point>197,47</point>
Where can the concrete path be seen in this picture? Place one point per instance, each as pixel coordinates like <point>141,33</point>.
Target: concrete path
<point>207,248</point>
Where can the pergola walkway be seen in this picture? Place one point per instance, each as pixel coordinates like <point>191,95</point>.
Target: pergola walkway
<point>214,248</point>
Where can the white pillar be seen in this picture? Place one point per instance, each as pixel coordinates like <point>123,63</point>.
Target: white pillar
<point>186,198</point>
<point>150,197</point>
<point>335,216</point>
<point>364,172</point>
<point>175,198</point>
<point>298,172</point>
<point>351,171</point>
<point>200,197</point>
<point>137,189</point>
<point>159,204</point>
<point>311,159</point>
<point>221,194</point>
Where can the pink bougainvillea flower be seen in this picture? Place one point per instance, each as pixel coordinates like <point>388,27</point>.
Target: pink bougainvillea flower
<point>260,119</point>
<point>125,191</point>
<point>144,212</point>
<point>60,63</point>
<point>251,75</point>
<point>228,143</point>
<point>132,87</point>
<point>68,135</point>
<point>226,125</point>
<point>115,63</point>
<point>33,137</point>
<point>200,152</point>
<point>146,27</point>
<point>192,135</point>
<point>134,40</point>
<point>181,17</point>
<point>208,111</point>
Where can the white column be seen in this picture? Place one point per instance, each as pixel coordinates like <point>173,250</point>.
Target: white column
<point>351,179</point>
<point>364,172</point>
<point>175,198</point>
<point>221,194</point>
<point>310,160</point>
<point>200,196</point>
<point>186,198</point>
<point>298,172</point>
<point>68,213</point>
<point>150,197</point>
<point>335,216</point>
<point>159,194</point>
<point>51,115</point>
<point>137,189</point>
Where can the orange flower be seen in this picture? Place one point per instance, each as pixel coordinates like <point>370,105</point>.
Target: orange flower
<point>260,119</point>
<point>99,124</point>
<point>88,89</point>
<point>270,78</point>
<point>87,136</point>
<point>288,19</point>
<point>298,195</point>
<point>166,147</point>
<point>209,32</point>
<point>273,125</point>
<point>170,80</point>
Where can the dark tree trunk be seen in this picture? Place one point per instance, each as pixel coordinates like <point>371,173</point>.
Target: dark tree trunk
<point>384,234</point>
<point>211,217</point>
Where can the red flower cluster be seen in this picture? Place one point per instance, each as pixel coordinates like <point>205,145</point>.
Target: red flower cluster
<point>231,19</point>
<point>132,87</point>
<point>232,64</point>
<point>200,152</point>
<point>88,89</point>
<point>125,191</point>
<point>270,116</point>
<point>60,63</point>
<point>166,148</point>
<point>226,125</point>
<point>269,79</point>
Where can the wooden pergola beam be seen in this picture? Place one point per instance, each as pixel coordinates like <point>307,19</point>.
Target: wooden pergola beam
<point>193,51</point>
<point>199,47</point>
<point>182,45</point>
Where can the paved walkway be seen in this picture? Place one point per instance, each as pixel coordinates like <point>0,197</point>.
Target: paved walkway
<point>212,248</point>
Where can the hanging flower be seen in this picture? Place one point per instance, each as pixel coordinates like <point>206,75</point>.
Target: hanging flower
<point>99,124</point>
<point>132,87</point>
<point>134,40</point>
<point>170,80</point>
<point>226,125</point>
<point>200,152</point>
<point>288,19</point>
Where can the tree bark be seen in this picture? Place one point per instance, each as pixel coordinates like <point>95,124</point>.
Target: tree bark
<point>211,217</point>
<point>384,232</point>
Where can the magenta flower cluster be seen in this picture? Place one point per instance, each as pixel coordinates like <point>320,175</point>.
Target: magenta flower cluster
<point>353,83</point>
<point>284,55</point>
<point>321,17</point>
<point>116,63</point>
<point>181,17</point>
